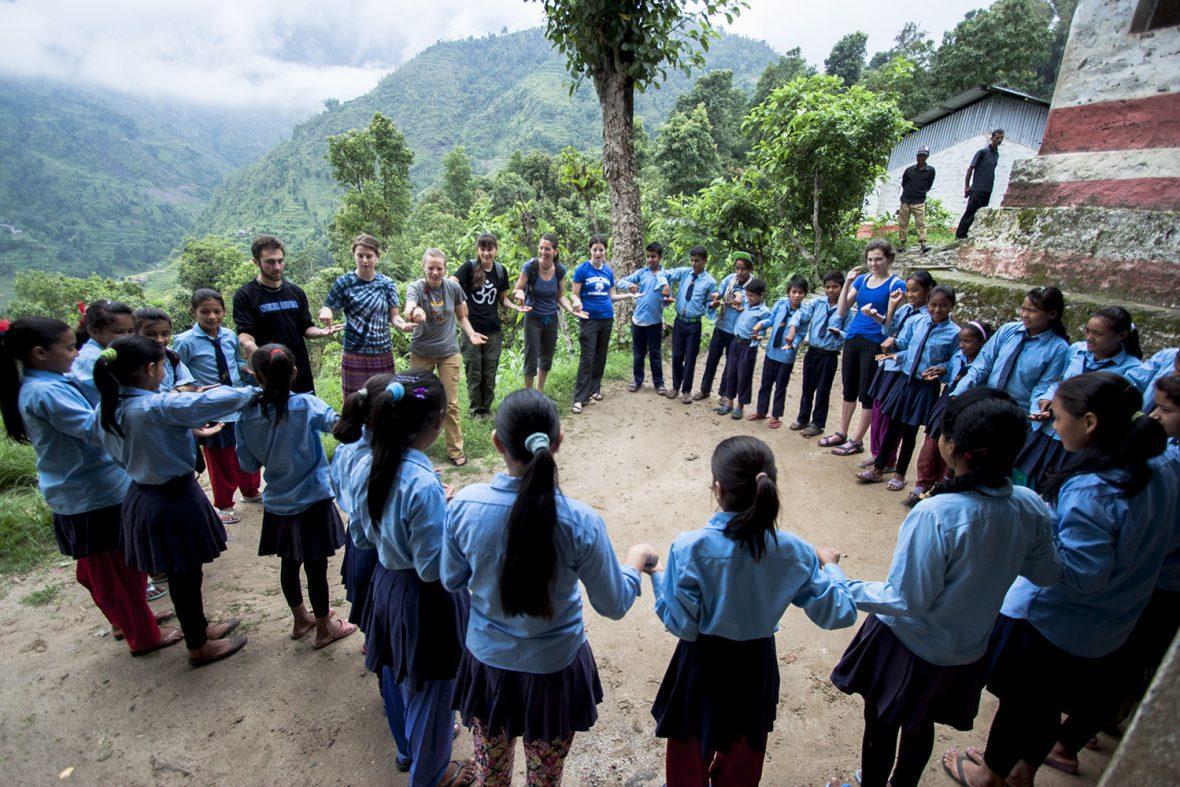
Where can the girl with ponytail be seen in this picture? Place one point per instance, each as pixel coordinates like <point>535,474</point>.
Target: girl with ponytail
<point>414,626</point>
<point>102,322</point>
<point>1059,647</point>
<point>168,525</point>
<point>723,592</point>
<point>82,485</point>
<point>919,659</point>
<point>280,431</point>
<point>522,547</point>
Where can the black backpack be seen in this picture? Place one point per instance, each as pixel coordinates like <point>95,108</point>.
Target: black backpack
<point>532,270</point>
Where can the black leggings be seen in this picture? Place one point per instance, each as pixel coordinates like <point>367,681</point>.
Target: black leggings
<point>317,583</point>
<point>857,367</point>
<point>901,433</point>
<point>879,746</point>
<point>185,591</point>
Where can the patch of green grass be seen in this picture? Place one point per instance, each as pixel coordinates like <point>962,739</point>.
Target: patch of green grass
<point>42,596</point>
<point>26,530</point>
<point>18,464</point>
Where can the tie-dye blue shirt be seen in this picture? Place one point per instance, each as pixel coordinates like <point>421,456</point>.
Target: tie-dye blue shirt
<point>366,306</point>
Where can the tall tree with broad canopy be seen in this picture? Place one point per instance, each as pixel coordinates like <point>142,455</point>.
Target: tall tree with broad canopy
<point>621,46</point>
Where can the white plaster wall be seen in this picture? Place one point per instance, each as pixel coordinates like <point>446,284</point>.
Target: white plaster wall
<point>950,165</point>
<point>1103,61</point>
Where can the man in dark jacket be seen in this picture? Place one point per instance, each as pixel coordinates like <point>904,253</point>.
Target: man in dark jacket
<point>916,182</point>
<point>981,178</point>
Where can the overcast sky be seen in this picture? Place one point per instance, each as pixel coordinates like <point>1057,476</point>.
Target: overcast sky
<point>292,54</point>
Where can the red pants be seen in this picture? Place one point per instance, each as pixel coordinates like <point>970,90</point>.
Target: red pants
<point>119,591</point>
<point>738,767</point>
<point>225,476</point>
<point>931,468</point>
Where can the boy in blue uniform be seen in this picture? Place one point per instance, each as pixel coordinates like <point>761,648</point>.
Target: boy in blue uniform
<point>820,323</point>
<point>736,383</point>
<point>780,359</point>
<point>726,305</point>
<point>694,293</point>
<point>650,286</point>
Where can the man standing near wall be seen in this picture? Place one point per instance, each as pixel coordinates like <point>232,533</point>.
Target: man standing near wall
<point>981,177</point>
<point>916,182</point>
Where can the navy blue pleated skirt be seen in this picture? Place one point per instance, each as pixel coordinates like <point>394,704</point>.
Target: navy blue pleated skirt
<point>883,381</point>
<point>934,420</point>
<point>910,400</point>
<point>1041,457</point>
<point>718,691</point>
<point>415,628</point>
<point>356,572</point>
<point>170,527</point>
<point>88,533</point>
<point>545,707</point>
<point>313,534</point>
<point>904,689</point>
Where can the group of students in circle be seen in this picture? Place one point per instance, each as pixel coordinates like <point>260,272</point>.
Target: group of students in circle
<point>1042,563</point>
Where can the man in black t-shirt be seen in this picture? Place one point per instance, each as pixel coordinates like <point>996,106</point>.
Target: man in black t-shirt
<point>268,309</point>
<point>916,183</point>
<point>981,178</point>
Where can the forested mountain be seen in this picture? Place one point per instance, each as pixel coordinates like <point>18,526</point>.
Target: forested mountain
<point>97,182</point>
<point>492,95</point>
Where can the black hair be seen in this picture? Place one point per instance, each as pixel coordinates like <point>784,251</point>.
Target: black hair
<point>394,422</point>
<point>836,276</point>
<point>15,345</point>
<point>1169,386</point>
<point>274,363</point>
<point>744,468</point>
<point>98,315</point>
<point>997,131</point>
<point>922,277</point>
<point>132,353</point>
<point>530,552</point>
<point>975,325</point>
<point>355,412</point>
<point>151,314</point>
<point>1123,440</point>
<point>1050,299</point>
<point>655,246</point>
<point>699,251</point>
<point>756,286</point>
<point>597,239</point>
<point>800,282</point>
<point>1121,322</point>
<point>944,289</point>
<point>206,294</point>
<point>988,429</point>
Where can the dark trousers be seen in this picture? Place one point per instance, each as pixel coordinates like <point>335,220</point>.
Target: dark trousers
<point>593,345</point>
<point>739,766</point>
<point>897,433</point>
<point>647,340</point>
<point>480,362</point>
<point>738,380</point>
<point>880,753</point>
<point>975,201</point>
<point>317,584</point>
<point>185,592</point>
<point>718,346</point>
<point>686,345</point>
<point>819,371</point>
<point>776,375</point>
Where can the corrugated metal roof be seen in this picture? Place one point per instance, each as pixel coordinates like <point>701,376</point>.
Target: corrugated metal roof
<point>966,99</point>
<point>1023,121</point>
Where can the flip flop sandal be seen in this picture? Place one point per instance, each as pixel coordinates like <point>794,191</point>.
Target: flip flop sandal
<point>755,417</point>
<point>662,391</point>
<point>774,423</point>
<point>456,780</point>
<point>699,395</point>
<point>957,774</point>
<point>577,408</point>
<point>835,438</point>
<point>236,644</point>
<point>912,499</point>
<point>597,397</point>
<point>228,516</point>
<point>173,636</point>
<point>231,625</point>
<point>796,426</point>
<point>810,432</point>
<point>864,464</point>
<point>632,388</point>
<point>869,477</point>
<point>686,399</point>
<point>737,414</point>
<point>342,630</point>
<point>1062,765</point>
<point>849,448</point>
<point>895,485</point>
<point>459,461</point>
<point>161,617</point>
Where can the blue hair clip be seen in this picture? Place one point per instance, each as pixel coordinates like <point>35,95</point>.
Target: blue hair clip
<point>396,390</point>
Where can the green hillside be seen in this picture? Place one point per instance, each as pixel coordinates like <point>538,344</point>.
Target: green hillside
<point>493,95</point>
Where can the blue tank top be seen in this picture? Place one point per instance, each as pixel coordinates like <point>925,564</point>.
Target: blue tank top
<point>863,324</point>
<point>543,296</point>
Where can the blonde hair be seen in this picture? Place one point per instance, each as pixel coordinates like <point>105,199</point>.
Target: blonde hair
<point>433,253</point>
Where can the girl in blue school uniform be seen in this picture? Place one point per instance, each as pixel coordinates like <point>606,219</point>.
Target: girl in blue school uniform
<point>103,321</point>
<point>415,627</point>
<point>737,380</point>
<point>723,591</point>
<point>918,660</point>
<point>156,324</point>
<point>1111,345</point>
<point>82,485</point>
<point>523,548</point>
<point>926,345</point>
<point>1151,371</point>
<point>167,524</point>
<point>210,351</point>
<point>1058,647</point>
<point>281,432</point>
<point>1027,356</point>
<point>780,359</point>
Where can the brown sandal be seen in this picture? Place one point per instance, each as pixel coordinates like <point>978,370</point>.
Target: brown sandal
<point>169,635</point>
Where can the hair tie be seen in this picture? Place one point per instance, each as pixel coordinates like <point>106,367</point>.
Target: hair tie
<point>979,325</point>
<point>276,351</point>
<point>109,354</point>
<point>396,390</point>
<point>362,394</point>
<point>82,308</point>
<point>760,476</point>
<point>1138,414</point>
<point>536,441</point>
<point>4,326</point>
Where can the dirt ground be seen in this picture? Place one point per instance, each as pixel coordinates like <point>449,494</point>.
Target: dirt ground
<point>75,708</point>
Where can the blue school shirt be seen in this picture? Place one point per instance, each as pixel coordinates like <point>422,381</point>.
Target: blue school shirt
<point>702,293</point>
<point>174,378</point>
<point>729,287</point>
<point>83,370</point>
<point>195,348</point>
<point>937,342</point>
<point>1170,571</point>
<point>1040,364</point>
<point>473,557</point>
<point>863,324</point>
<point>779,317</point>
<point>410,533</point>
<point>1145,374</point>
<point>157,443</point>
<point>743,328</point>
<point>290,453</point>
<point>713,586</point>
<point>342,472</point>
<point>649,306</point>
<point>903,322</point>
<point>596,286</point>
<point>953,367</point>
<point>1081,361</point>
<point>956,555</point>
<point>813,320</point>
<point>1112,548</point>
<point>74,473</point>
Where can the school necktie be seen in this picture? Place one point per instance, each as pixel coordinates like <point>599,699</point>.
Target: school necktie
<point>1010,363</point>
<point>692,283</point>
<point>222,365</point>
<point>777,342</point>
<point>921,347</point>
<point>828,319</point>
